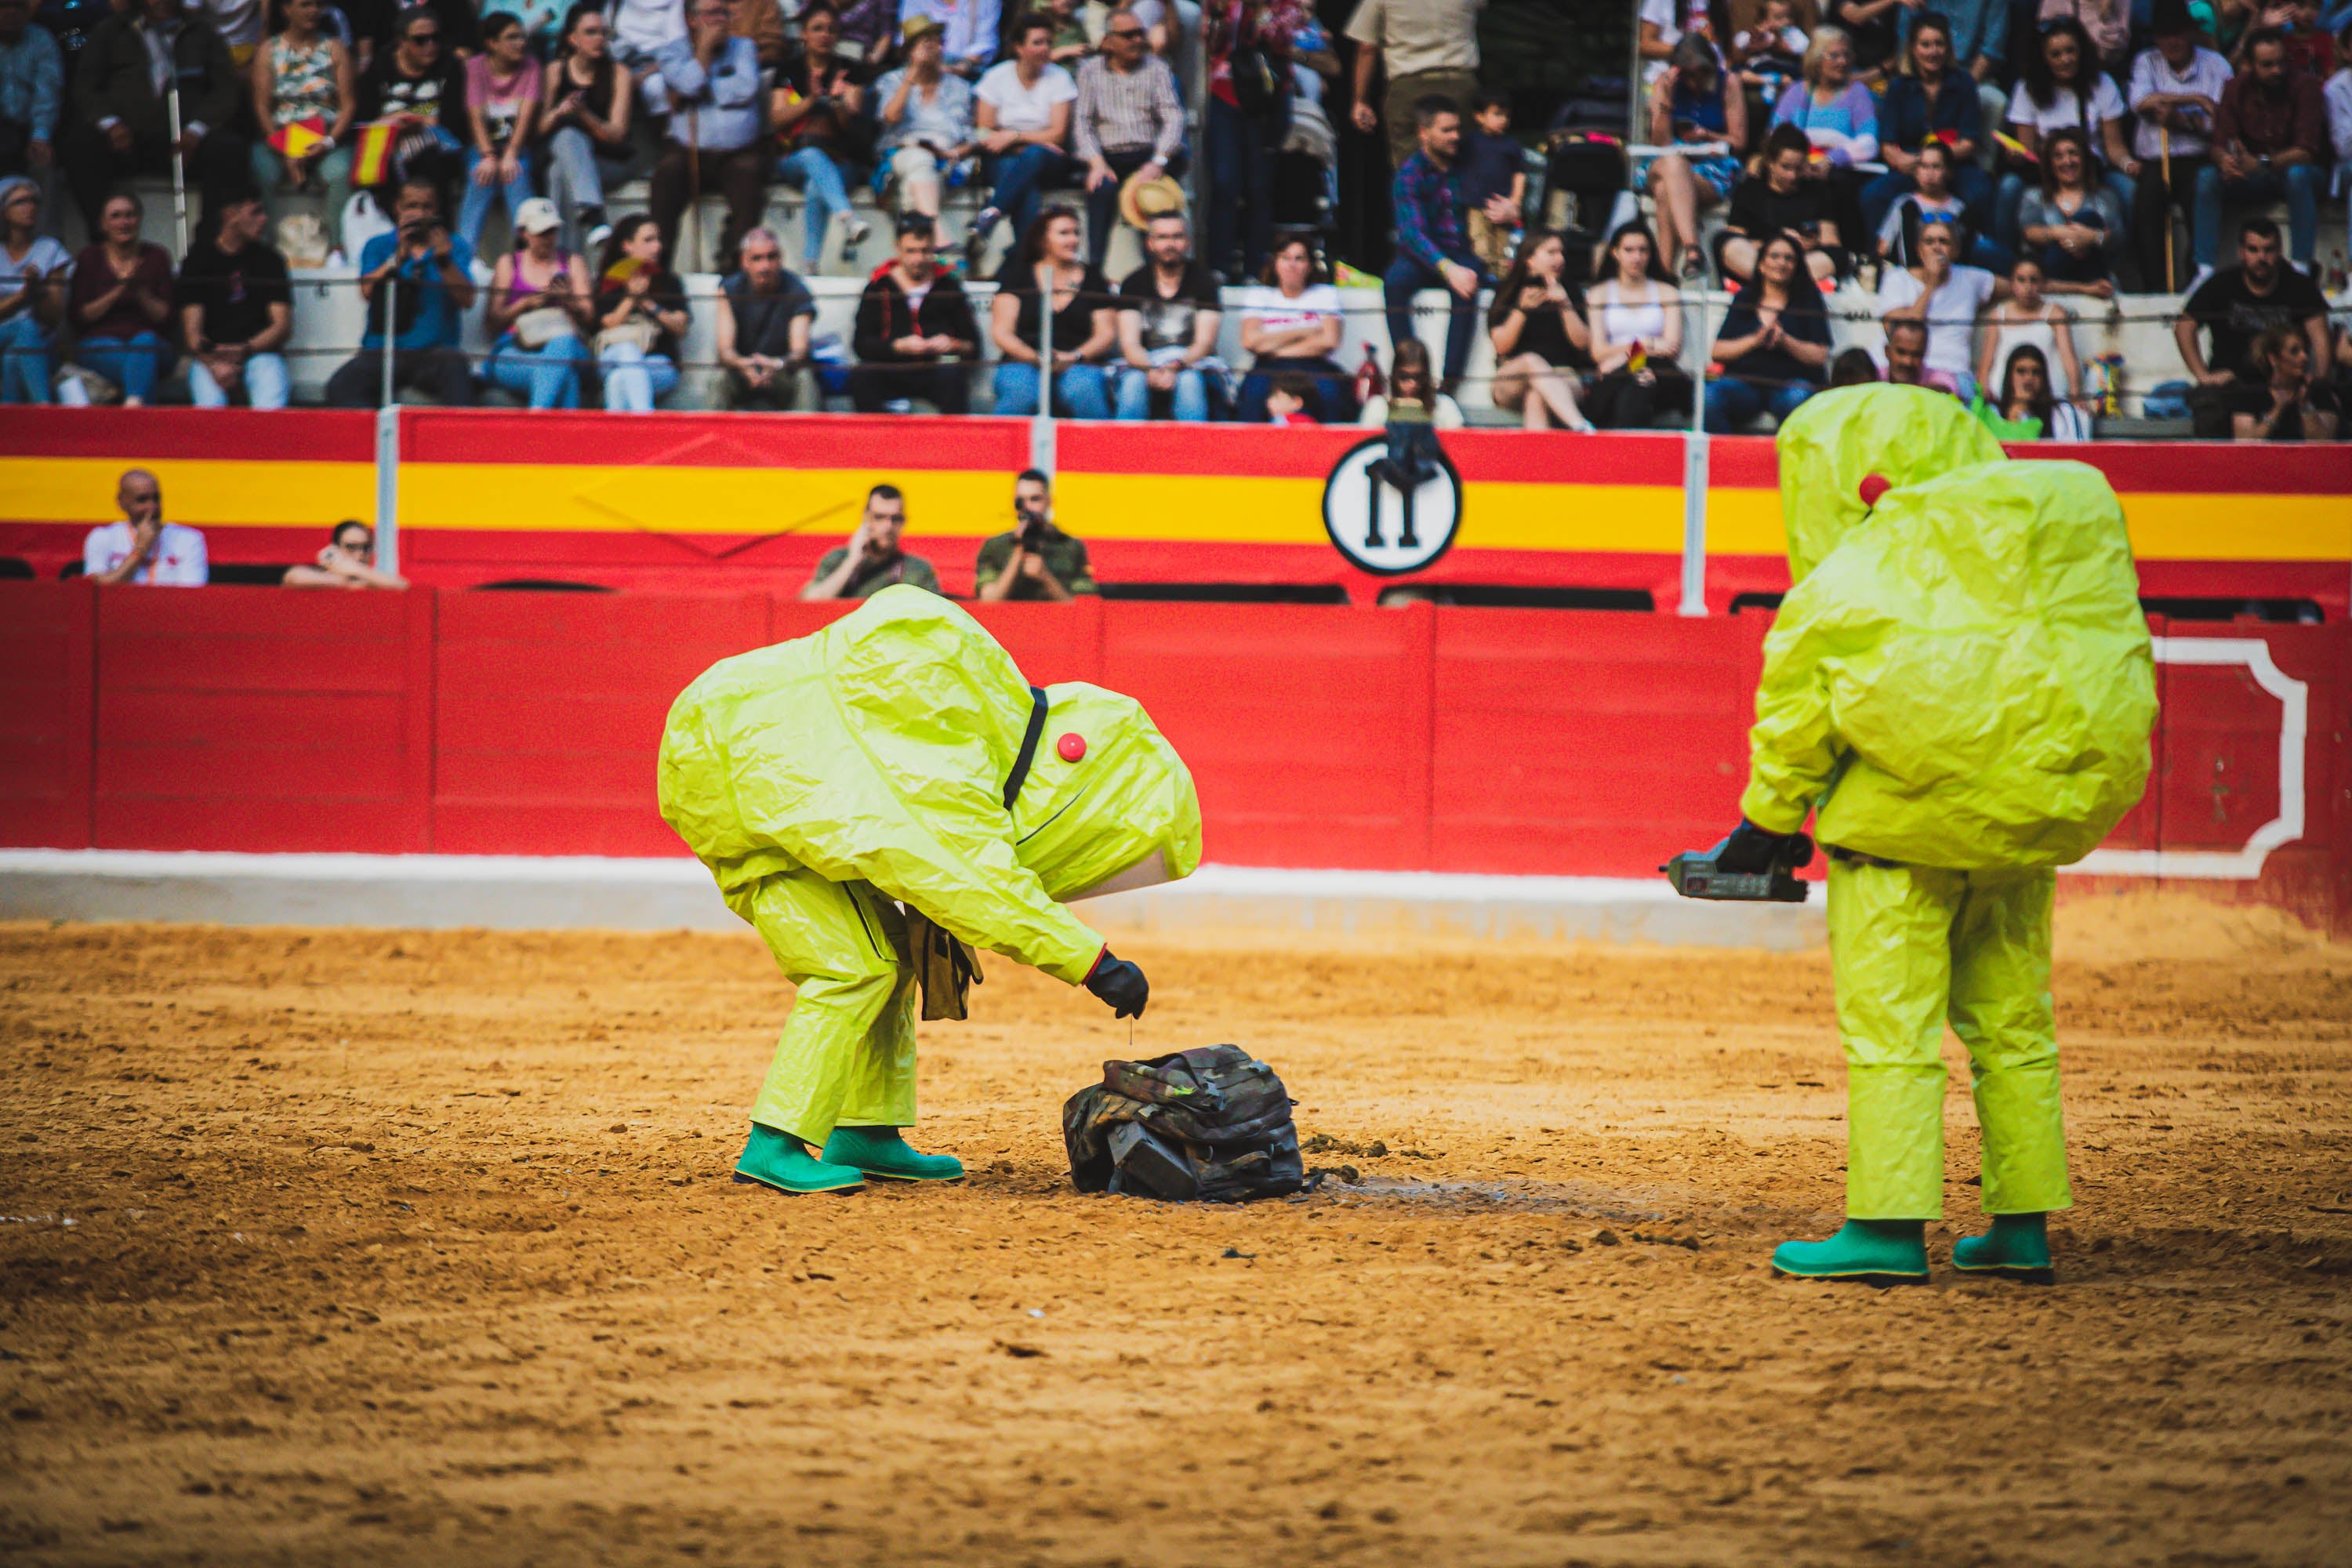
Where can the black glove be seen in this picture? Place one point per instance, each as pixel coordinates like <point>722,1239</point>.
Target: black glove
<point>1750,848</point>
<point>1119,985</point>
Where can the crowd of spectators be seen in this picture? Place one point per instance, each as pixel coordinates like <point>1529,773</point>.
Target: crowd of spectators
<point>1960,165</point>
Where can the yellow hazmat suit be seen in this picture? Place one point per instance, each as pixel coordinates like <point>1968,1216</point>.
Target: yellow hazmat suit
<point>1959,687</point>
<point>829,780</point>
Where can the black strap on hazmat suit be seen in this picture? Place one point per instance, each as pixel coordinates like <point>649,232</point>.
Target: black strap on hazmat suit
<point>944,967</point>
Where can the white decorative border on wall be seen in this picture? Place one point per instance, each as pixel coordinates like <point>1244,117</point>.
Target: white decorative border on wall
<point>2227,865</point>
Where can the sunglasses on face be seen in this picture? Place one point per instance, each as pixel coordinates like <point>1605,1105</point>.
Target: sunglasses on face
<point>1126,32</point>
<point>433,38</point>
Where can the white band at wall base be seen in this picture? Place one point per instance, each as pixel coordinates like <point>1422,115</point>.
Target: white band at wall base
<point>2227,865</point>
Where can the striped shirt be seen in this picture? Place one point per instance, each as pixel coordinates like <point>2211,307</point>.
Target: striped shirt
<point>1119,111</point>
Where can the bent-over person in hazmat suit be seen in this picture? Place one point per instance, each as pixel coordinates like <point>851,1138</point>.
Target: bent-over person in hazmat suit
<point>898,758</point>
<point>1959,688</point>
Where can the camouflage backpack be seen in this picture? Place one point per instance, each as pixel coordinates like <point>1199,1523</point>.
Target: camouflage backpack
<point>1212,1123</point>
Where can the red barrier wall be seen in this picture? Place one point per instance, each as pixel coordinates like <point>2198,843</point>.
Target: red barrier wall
<point>1423,738</point>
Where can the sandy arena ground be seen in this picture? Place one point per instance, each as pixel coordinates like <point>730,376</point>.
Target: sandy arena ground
<point>335,1247</point>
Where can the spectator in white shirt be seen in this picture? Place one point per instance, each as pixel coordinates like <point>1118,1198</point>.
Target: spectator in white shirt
<point>1946,297</point>
<point>1025,106</point>
<point>143,548</point>
<point>2060,87</point>
<point>2176,92</point>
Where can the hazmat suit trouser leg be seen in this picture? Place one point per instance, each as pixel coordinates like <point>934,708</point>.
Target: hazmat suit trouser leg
<point>846,1056</point>
<point>1911,946</point>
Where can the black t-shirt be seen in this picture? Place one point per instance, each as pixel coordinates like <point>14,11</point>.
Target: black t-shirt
<point>1759,212</point>
<point>763,323</point>
<point>666,293</point>
<point>1074,321</point>
<point>1542,332</point>
<point>1167,323</point>
<point>2237,315</point>
<point>439,95</point>
<point>235,292</point>
<point>1803,319</point>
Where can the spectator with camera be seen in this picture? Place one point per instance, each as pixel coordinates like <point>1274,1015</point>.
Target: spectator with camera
<point>1035,560</point>
<point>237,309</point>
<point>915,337</point>
<point>871,560</point>
<point>347,562</point>
<point>424,273</point>
<point>765,314</point>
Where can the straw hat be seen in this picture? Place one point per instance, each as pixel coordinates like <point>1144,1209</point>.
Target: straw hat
<point>1142,200</point>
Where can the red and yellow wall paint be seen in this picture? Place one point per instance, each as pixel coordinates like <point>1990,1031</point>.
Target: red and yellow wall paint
<point>687,501</point>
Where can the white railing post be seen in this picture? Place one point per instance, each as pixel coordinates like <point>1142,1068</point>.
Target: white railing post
<point>1695,478</point>
<point>387,487</point>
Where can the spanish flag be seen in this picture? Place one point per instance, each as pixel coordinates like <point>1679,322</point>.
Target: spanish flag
<point>295,140</point>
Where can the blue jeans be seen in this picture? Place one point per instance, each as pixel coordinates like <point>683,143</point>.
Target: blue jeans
<point>1191,395</point>
<point>633,378</point>
<point>812,169</point>
<point>133,364</point>
<point>549,374</point>
<point>2299,182</point>
<point>1079,391</point>
<point>1240,179</point>
<point>1732,405</point>
<point>476,206</point>
<point>24,359</point>
<point>1018,182</point>
<point>265,383</point>
<point>1405,278</point>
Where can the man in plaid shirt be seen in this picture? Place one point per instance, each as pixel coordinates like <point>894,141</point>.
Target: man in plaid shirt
<point>1431,246</point>
<point>1128,118</point>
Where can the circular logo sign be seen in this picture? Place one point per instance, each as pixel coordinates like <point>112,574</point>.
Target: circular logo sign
<point>1390,515</point>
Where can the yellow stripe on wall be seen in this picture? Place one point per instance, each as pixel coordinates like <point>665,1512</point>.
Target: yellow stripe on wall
<point>2163,526</point>
<point>202,493</point>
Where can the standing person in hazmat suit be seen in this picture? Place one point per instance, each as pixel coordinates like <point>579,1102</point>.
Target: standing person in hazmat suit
<point>898,758</point>
<point>1959,688</point>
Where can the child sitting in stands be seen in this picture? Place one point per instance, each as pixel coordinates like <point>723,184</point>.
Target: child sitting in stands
<point>1286,403</point>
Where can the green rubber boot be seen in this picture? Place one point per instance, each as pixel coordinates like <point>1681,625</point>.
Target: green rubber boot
<point>781,1161</point>
<point>881,1151</point>
<point>1879,1251</point>
<point>2016,1247</point>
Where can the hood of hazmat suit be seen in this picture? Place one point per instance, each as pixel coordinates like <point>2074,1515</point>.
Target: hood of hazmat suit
<point>1961,675</point>
<point>877,751</point>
